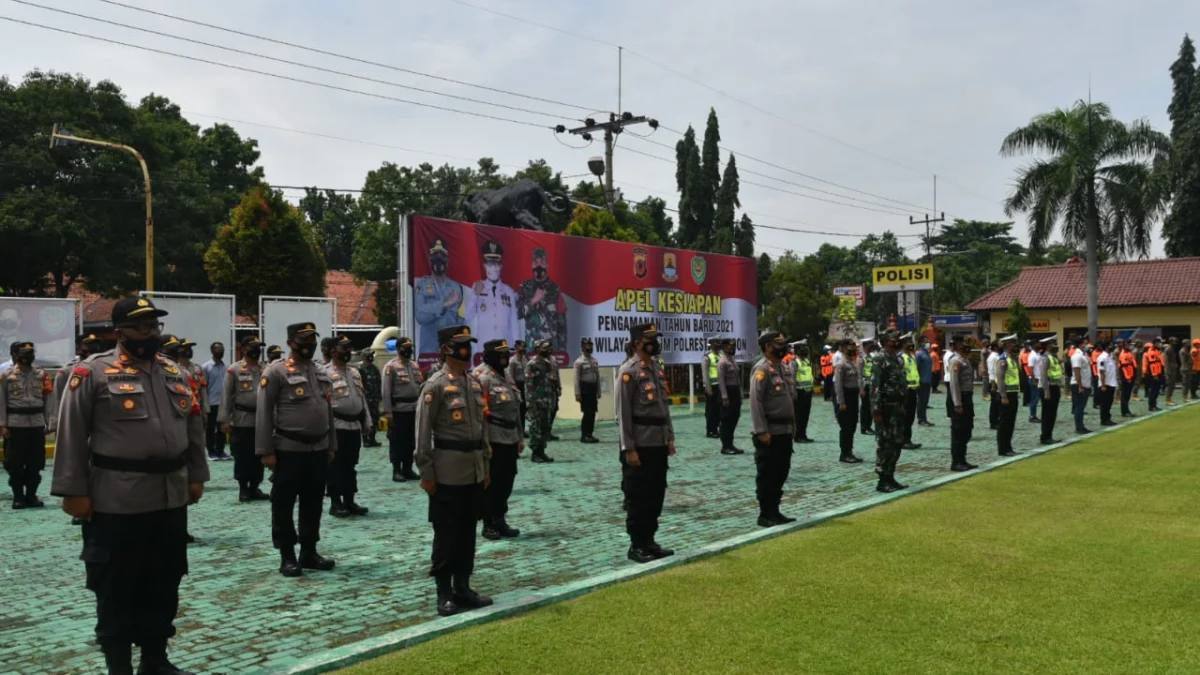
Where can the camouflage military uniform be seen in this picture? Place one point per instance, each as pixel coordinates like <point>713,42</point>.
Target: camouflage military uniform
<point>887,401</point>
<point>544,317</point>
<point>372,381</point>
<point>541,394</point>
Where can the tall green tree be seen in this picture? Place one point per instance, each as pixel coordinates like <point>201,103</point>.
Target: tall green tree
<point>850,266</point>
<point>335,218</point>
<point>1181,227</point>
<point>743,237</point>
<point>710,167</point>
<point>724,228</point>
<point>1183,84</point>
<point>1018,319</point>
<point>692,226</point>
<point>764,268</point>
<point>1096,184</point>
<point>598,224</point>
<point>798,300</point>
<point>970,257</point>
<point>266,248</point>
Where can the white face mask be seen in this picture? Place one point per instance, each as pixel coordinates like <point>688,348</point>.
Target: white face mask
<point>492,270</point>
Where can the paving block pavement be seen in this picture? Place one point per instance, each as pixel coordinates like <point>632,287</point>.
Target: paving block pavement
<point>237,614</point>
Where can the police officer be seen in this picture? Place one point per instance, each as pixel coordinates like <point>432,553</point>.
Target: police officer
<point>130,458</point>
<point>647,440</point>
<point>274,353</point>
<point>962,406</point>
<point>194,371</point>
<point>729,388</point>
<point>541,391</point>
<point>327,345</point>
<point>372,381</point>
<point>887,405</point>
<point>436,297</point>
<point>912,385</point>
<point>239,401</point>
<point>452,456</point>
<point>492,306</point>
<point>774,426</point>
<point>505,435</point>
<point>28,410</point>
<point>865,365</point>
<point>516,372</point>
<point>712,402</point>
<point>401,389</point>
<point>1008,384</point>
<point>349,420</point>
<point>804,390</point>
<point>85,346</point>
<point>294,436</point>
<point>587,390</point>
<point>1050,377</point>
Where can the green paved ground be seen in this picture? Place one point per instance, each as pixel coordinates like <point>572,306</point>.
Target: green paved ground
<point>1081,561</point>
<point>237,613</point>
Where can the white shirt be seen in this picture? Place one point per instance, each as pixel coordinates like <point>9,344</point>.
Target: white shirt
<point>837,359</point>
<point>1034,360</point>
<point>946,366</point>
<point>1084,364</point>
<point>992,358</point>
<point>1107,366</point>
<point>493,313</point>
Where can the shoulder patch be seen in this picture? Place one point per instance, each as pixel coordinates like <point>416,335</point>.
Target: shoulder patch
<point>760,375</point>
<point>80,371</point>
<point>428,397</point>
<point>263,383</point>
<point>625,377</point>
<point>76,380</point>
<point>387,370</point>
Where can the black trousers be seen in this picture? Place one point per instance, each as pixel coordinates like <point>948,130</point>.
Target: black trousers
<point>343,470</point>
<point>524,408</point>
<point>402,439</point>
<point>589,395</point>
<point>802,407</point>
<point>1126,393</point>
<point>1050,412</point>
<point>299,476</point>
<point>827,388</point>
<point>994,409</point>
<point>773,462</point>
<point>504,474</point>
<point>922,401</point>
<point>910,412</point>
<point>730,414</point>
<point>454,511</point>
<point>1106,403</point>
<point>864,412</point>
<point>645,490</point>
<point>247,467</point>
<point>1153,387</point>
<point>847,419</point>
<point>712,411</point>
<point>1007,422</point>
<point>962,424</point>
<point>373,411</point>
<point>25,458</point>
<point>1024,381</point>
<point>134,564</point>
<point>214,437</point>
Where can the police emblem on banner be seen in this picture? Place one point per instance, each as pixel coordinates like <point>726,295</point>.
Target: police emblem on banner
<point>699,269</point>
<point>640,267</point>
<point>670,271</point>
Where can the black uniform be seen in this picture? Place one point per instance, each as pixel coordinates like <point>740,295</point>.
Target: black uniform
<point>962,410</point>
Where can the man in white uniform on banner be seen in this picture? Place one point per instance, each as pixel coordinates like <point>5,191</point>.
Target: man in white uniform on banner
<point>492,307</point>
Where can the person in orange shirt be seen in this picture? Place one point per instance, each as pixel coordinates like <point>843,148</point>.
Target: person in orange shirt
<point>1024,372</point>
<point>1195,353</point>
<point>936,355</point>
<point>1126,374</point>
<point>1152,372</point>
<point>827,373</point>
<point>1094,355</point>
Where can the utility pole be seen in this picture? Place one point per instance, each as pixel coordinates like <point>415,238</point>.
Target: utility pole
<point>927,222</point>
<point>614,126</point>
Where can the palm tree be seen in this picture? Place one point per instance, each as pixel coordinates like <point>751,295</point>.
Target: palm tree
<point>1096,177</point>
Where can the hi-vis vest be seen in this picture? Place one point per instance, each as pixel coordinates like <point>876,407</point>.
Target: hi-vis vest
<point>1012,376</point>
<point>868,368</point>
<point>804,381</point>
<point>827,365</point>
<point>712,368</point>
<point>911,374</point>
<point>1054,371</point>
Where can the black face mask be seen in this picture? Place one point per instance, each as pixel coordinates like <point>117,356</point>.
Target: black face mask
<point>652,347</point>
<point>186,353</point>
<point>341,356</point>
<point>25,359</point>
<point>251,353</point>
<point>304,351</point>
<point>460,352</point>
<point>539,273</point>
<point>497,361</point>
<point>144,348</point>
<point>587,349</point>
<point>780,352</point>
<point>406,352</point>
<point>172,354</point>
<point>438,265</point>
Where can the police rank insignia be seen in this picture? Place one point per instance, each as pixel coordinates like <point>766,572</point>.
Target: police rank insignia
<point>429,398</point>
<point>111,371</point>
<point>171,369</point>
<point>626,378</point>
<point>264,382</point>
<point>128,404</point>
<point>75,381</point>
<point>760,376</point>
<point>299,391</point>
<point>183,403</point>
<point>126,387</point>
<point>181,389</point>
<point>456,415</point>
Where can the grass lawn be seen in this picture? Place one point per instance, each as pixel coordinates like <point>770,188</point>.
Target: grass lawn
<point>1080,561</point>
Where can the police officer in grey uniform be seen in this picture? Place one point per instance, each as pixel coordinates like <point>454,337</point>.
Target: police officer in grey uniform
<point>236,413</point>
<point>729,385</point>
<point>85,346</point>
<point>274,353</point>
<point>647,440</point>
<point>28,410</point>
<point>962,407</point>
<point>504,434</point>
<point>436,297</point>
<point>294,436</point>
<point>349,419</point>
<point>774,420</point>
<point>452,456</point>
<point>587,390</point>
<point>130,458</point>
<point>401,389</point>
<point>516,372</point>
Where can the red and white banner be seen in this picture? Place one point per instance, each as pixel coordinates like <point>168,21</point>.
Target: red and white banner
<point>521,284</point>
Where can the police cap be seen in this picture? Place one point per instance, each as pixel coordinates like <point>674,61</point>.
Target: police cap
<point>439,247</point>
<point>539,253</point>
<point>133,308</point>
<point>301,329</point>
<point>455,335</point>
<point>169,341</point>
<point>542,344</point>
<point>496,346</point>
<point>184,342</point>
<point>492,250</point>
<point>1008,338</point>
<point>342,341</point>
<point>891,334</point>
<point>643,330</point>
<point>247,341</point>
<point>18,347</point>
<point>274,350</point>
<point>403,341</point>
<point>771,336</point>
<point>89,339</point>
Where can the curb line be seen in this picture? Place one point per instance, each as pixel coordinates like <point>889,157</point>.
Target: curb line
<point>514,603</point>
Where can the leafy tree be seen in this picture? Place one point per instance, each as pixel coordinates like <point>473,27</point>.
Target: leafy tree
<point>650,221</point>
<point>970,257</point>
<point>267,248</point>
<point>765,267</point>
<point>710,168</point>
<point>589,222</point>
<point>335,219</point>
<point>847,313</point>
<point>798,300</point>
<point>743,237</point>
<point>849,266</point>
<point>724,229</point>
<point>692,226</point>
<point>1097,183</point>
<point>1183,80</point>
<point>1018,319</point>
<point>1181,228</point>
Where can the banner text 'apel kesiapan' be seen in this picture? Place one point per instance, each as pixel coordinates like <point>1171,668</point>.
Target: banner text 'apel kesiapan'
<point>520,284</point>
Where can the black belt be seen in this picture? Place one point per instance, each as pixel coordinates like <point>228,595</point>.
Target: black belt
<point>154,466</point>
<point>649,421</point>
<point>503,424</point>
<point>346,418</point>
<point>460,446</point>
<point>780,420</point>
<point>244,408</point>
<point>300,438</point>
<point>405,399</point>
<point>25,411</point>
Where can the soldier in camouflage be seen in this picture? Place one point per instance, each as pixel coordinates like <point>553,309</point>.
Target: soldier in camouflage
<point>372,381</point>
<point>542,306</point>
<point>541,393</point>
<point>888,388</point>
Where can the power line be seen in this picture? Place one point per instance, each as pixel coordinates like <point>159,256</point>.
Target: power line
<point>277,75</point>
<point>287,61</point>
<point>531,22</point>
<point>347,57</point>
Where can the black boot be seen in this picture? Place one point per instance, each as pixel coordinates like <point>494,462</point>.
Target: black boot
<point>311,560</point>
<point>850,459</point>
<point>154,661</point>
<point>639,554</point>
<point>729,451</point>
<point>118,658</point>
<point>18,499</point>
<point>337,508</point>
<point>398,475</point>
<point>354,507</point>
<point>408,472</point>
<point>445,597</point>
<point>243,493</point>
<point>505,531</point>
<point>288,566</point>
<point>31,500</point>
<point>465,597</point>
<point>490,532</point>
<point>257,494</point>
<point>766,518</point>
<point>895,483</point>
<point>660,551</point>
<point>885,485</point>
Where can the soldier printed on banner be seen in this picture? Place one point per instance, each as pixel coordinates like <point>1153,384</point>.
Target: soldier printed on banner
<point>492,305</point>
<point>437,297</point>
<point>542,306</point>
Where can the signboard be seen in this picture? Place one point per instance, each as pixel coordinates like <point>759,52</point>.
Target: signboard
<point>521,284</point>
<point>956,321</point>
<point>859,293</point>
<point>907,303</point>
<point>1035,326</point>
<point>903,278</point>
<point>49,323</point>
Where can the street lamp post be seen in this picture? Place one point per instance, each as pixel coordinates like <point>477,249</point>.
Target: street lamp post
<point>65,137</point>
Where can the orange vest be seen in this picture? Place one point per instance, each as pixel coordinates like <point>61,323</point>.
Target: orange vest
<point>1071,352</point>
<point>1128,365</point>
<point>1095,359</point>
<point>1196,359</point>
<point>937,360</point>
<point>1025,362</point>
<point>1152,363</point>
<point>826,365</point>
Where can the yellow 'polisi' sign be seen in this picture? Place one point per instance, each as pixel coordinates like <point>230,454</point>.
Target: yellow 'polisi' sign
<point>903,278</point>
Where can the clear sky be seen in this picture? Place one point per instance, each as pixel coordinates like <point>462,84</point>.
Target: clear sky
<point>874,97</point>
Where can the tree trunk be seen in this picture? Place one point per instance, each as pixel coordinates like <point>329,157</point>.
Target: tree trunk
<point>1093,273</point>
